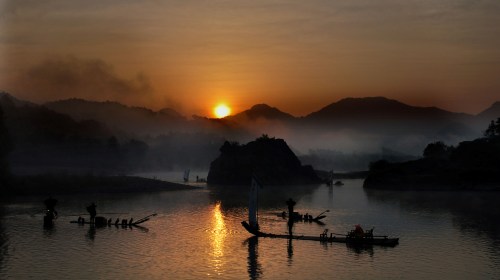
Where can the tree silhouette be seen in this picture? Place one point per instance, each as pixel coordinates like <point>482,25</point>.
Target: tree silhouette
<point>493,129</point>
<point>436,150</point>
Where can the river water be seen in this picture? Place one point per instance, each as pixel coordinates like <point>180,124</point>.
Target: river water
<point>197,235</point>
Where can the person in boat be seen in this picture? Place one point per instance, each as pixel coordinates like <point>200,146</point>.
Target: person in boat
<point>369,233</point>
<point>92,211</point>
<point>358,231</point>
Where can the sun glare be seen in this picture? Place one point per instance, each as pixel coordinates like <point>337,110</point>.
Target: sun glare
<point>222,110</point>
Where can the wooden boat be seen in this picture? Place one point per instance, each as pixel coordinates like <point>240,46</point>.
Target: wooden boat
<point>352,239</point>
<point>101,222</point>
<point>373,240</point>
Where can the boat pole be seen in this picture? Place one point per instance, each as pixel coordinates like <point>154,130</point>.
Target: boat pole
<point>144,219</point>
<point>291,203</point>
<point>328,210</point>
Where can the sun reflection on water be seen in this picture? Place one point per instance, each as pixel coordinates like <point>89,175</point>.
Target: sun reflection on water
<point>218,236</point>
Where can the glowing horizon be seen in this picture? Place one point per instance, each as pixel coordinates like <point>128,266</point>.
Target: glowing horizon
<point>297,57</point>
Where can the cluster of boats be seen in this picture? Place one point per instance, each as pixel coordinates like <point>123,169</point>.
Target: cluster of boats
<point>354,237</point>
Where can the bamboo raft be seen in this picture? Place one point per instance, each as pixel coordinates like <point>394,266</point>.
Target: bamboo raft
<point>101,222</point>
<point>380,240</point>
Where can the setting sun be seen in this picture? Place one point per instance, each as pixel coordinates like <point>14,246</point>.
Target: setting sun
<point>222,110</point>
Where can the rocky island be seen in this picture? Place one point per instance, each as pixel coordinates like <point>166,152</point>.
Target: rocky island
<point>269,159</point>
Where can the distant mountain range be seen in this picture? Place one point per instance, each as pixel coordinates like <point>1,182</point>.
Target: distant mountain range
<point>369,114</point>
<point>117,116</point>
<point>376,115</point>
<point>351,124</point>
<point>28,122</point>
<point>368,109</point>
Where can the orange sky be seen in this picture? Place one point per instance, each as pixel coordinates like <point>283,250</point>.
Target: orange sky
<point>298,56</point>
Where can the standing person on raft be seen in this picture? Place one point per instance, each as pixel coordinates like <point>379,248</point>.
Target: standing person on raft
<point>92,211</point>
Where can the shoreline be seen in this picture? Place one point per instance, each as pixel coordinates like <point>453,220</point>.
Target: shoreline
<point>76,184</point>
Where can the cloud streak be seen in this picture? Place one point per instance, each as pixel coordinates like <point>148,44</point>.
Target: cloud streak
<point>63,77</point>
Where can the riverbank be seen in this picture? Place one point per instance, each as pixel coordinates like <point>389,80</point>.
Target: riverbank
<point>69,184</point>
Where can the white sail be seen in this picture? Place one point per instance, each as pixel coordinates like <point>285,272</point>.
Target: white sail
<point>186,175</point>
<point>252,204</point>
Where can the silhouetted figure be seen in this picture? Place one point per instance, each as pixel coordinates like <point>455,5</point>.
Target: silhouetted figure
<point>50,212</point>
<point>109,221</point>
<point>124,222</point>
<point>329,181</point>
<point>92,211</point>
<point>358,231</point>
<point>50,204</point>
<point>117,221</point>
<point>130,222</point>
<point>291,203</point>
<point>324,235</point>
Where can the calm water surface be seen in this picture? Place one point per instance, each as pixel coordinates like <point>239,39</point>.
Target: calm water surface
<point>197,234</point>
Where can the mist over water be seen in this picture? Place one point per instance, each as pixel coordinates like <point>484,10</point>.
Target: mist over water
<point>81,136</point>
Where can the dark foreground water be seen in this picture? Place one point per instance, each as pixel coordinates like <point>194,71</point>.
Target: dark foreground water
<point>197,235</point>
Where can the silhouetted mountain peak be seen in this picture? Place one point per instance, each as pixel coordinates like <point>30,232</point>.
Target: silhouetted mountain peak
<point>366,105</point>
<point>8,99</point>
<point>262,111</point>
<point>368,101</point>
<point>262,106</point>
<point>375,108</point>
<point>492,113</point>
